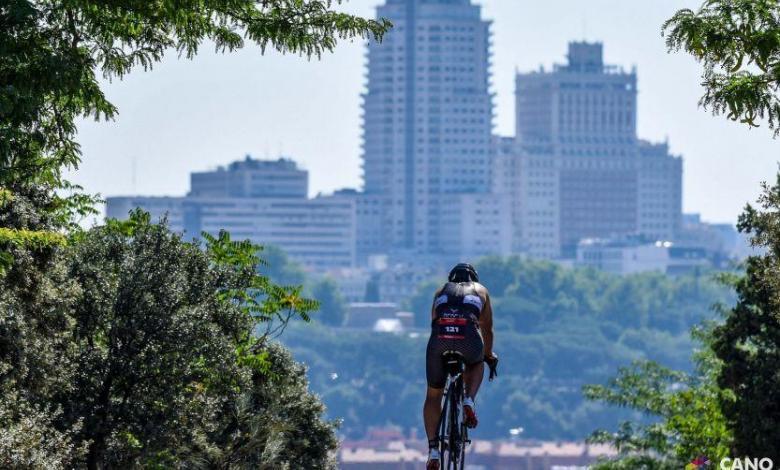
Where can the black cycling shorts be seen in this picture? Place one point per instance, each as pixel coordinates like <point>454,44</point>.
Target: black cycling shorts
<point>451,335</point>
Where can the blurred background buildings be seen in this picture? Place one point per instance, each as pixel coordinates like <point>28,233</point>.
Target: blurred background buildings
<point>575,184</point>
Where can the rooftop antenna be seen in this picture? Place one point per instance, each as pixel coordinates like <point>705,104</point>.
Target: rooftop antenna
<point>584,29</point>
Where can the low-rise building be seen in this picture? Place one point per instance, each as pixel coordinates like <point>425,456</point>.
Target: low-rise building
<point>476,225</point>
<point>366,314</point>
<point>401,454</point>
<point>635,255</point>
<point>168,207</point>
<point>262,201</point>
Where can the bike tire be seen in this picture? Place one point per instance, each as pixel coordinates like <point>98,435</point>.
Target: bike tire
<point>443,428</point>
<point>455,423</point>
<point>464,438</point>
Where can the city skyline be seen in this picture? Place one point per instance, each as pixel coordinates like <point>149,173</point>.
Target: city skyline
<point>177,146</point>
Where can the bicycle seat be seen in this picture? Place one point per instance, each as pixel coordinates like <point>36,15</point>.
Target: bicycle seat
<point>453,362</point>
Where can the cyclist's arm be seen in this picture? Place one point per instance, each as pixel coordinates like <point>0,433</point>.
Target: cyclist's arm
<point>486,325</point>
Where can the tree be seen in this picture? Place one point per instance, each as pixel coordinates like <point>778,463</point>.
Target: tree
<point>332,308</point>
<point>420,303</point>
<point>495,273</point>
<point>280,269</point>
<point>158,359</point>
<point>685,418</point>
<point>738,43</point>
<point>372,288</point>
<point>51,50</point>
<point>155,343</point>
<point>748,342</point>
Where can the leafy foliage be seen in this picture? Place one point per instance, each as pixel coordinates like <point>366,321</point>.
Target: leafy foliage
<point>30,439</point>
<point>556,330</point>
<point>332,307</point>
<point>738,43</point>
<point>51,51</point>
<point>748,342</point>
<point>134,348</point>
<point>684,410</point>
<point>124,346</point>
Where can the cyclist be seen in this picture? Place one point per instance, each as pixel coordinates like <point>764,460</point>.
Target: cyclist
<point>461,320</point>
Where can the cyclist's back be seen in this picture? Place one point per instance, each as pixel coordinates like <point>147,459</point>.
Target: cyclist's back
<point>455,327</point>
<point>461,321</point>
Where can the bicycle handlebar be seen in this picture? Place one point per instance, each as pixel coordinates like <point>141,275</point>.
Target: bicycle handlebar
<point>492,363</point>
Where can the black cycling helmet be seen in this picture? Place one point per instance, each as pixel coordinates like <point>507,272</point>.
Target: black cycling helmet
<point>463,272</point>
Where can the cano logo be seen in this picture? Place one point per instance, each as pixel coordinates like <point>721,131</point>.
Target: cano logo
<point>699,463</point>
<point>747,463</point>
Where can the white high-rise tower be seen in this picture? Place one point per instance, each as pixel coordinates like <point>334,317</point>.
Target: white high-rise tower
<point>427,122</point>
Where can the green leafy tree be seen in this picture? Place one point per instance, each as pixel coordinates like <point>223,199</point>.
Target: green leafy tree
<point>50,55</point>
<point>331,305</point>
<point>420,303</point>
<point>738,43</point>
<point>51,51</point>
<point>372,289</point>
<point>495,273</point>
<point>682,414</point>
<point>165,363</point>
<point>280,269</point>
<point>748,342</point>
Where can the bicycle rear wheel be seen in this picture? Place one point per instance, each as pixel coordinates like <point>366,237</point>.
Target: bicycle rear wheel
<point>443,428</point>
<point>463,440</point>
<point>455,443</point>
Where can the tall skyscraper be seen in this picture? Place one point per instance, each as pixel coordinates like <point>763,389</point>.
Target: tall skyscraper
<point>581,106</point>
<point>584,172</point>
<point>427,120</point>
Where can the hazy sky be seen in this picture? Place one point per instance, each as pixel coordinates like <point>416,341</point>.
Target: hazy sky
<point>194,115</point>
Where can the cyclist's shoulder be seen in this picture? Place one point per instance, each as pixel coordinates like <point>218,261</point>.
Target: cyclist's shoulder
<point>481,289</point>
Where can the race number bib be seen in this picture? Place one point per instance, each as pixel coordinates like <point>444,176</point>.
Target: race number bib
<point>451,328</point>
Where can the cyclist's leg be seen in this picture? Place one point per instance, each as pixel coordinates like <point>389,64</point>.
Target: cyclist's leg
<point>473,353</point>
<point>436,377</point>
<point>472,377</point>
<point>432,411</point>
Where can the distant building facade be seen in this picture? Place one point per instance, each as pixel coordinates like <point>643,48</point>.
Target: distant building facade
<point>389,449</point>
<point>265,202</point>
<point>580,170</point>
<point>251,178</point>
<point>631,256</point>
<point>427,122</point>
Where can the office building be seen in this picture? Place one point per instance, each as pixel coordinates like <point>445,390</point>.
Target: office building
<point>581,171</point>
<point>159,208</point>
<point>427,119</point>
<point>262,201</point>
<point>632,255</point>
<point>319,233</point>
<point>252,178</point>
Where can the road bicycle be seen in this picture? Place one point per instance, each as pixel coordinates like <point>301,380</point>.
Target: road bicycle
<point>452,431</point>
<point>453,434</point>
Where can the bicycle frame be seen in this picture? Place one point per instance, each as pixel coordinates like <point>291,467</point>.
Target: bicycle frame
<point>452,431</point>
